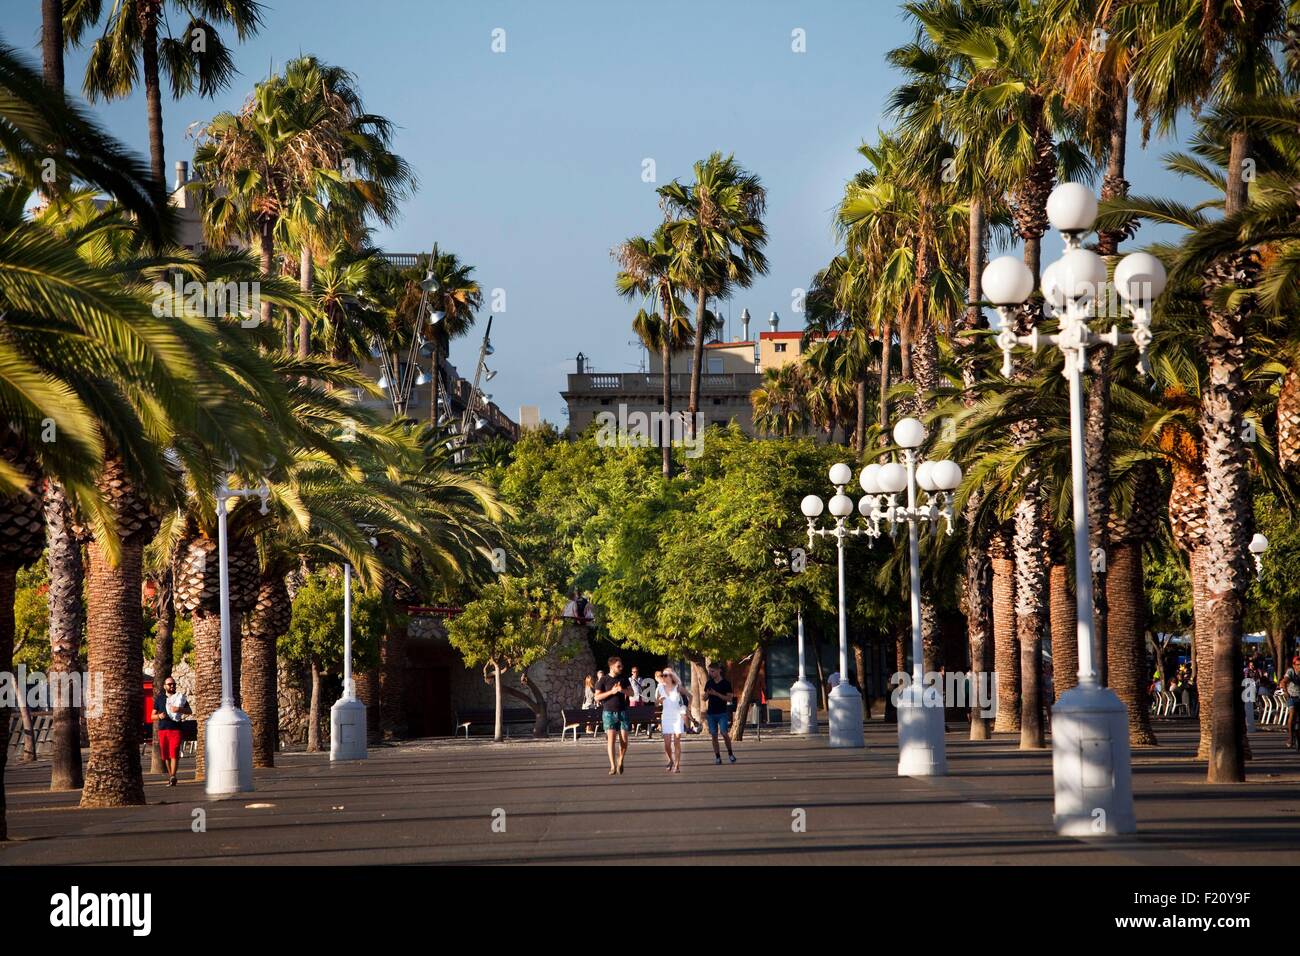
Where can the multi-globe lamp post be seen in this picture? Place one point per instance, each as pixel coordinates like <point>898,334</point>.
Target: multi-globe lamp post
<point>844,702</point>
<point>803,692</point>
<point>228,750</point>
<point>921,751</point>
<point>1091,762</point>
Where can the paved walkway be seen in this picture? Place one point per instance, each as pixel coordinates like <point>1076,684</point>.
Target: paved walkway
<point>435,801</point>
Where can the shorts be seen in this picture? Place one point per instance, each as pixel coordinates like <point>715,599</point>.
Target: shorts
<point>169,743</point>
<point>1292,703</point>
<point>718,723</point>
<point>615,720</point>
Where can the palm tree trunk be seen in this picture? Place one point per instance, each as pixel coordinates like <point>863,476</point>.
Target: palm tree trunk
<point>115,629</point>
<point>1006,647</point>
<point>153,93</point>
<point>261,628</point>
<point>1031,617</point>
<point>266,254</point>
<point>860,426</point>
<point>665,427</point>
<point>1203,652</point>
<point>1065,636</point>
<point>207,679</point>
<point>886,351</point>
<point>8,589</point>
<point>306,270</point>
<point>693,402</point>
<point>164,650</point>
<point>52,43</point>
<point>1126,635</point>
<point>67,580</point>
<point>978,593</point>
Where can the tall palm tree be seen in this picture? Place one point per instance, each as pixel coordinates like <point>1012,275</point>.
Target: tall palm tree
<point>1190,52</point>
<point>137,45</point>
<point>651,269</point>
<point>718,222</point>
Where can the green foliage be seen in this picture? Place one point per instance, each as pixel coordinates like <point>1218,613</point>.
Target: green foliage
<point>1275,597</point>
<point>510,625</point>
<point>32,617</point>
<point>1169,593</point>
<point>316,630</point>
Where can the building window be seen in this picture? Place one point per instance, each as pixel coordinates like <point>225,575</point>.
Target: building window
<point>780,346</point>
<point>715,365</point>
<point>717,401</point>
<point>604,401</point>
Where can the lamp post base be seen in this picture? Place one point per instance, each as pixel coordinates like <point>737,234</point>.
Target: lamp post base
<point>921,750</point>
<point>845,706</point>
<point>228,752</point>
<point>348,730</point>
<point>803,708</point>
<point>1091,764</point>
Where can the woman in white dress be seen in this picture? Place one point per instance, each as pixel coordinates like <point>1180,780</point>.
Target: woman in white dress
<point>673,721</point>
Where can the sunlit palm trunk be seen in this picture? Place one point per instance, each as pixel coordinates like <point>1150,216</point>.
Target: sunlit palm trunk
<point>67,579</point>
<point>1031,613</point>
<point>115,632</point>
<point>1126,636</point>
<point>1006,648</point>
<point>978,579</point>
<point>262,627</point>
<point>1229,517</point>
<point>306,272</point>
<point>153,91</point>
<point>693,401</point>
<point>1065,635</point>
<point>313,709</point>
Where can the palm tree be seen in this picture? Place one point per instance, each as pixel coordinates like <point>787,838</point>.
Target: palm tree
<point>1190,52</point>
<point>651,269</point>
<point>135,41</point>
<point>717,221</point>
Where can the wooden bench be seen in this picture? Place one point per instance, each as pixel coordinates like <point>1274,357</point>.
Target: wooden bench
<point>640,716</point>
<point>509,715</point>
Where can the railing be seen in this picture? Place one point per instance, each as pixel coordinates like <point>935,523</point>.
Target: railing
<point>654,382</point>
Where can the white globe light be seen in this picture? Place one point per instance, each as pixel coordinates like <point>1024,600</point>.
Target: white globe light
<point>865,505</point>
<point>1051,286</point>
<point>923,476</point>
<point>811,506</point>
<point>909,433</point>
<point>1081,273</point>
<point>1072,207</point>
<point>868,479</point>
<point>1007,281</point>
<point>841,506</point>
<point>946,475</point>
<point>1258,544</point>
<point>841,474</point>
<point>1139,278</point>
<point>892,478</point>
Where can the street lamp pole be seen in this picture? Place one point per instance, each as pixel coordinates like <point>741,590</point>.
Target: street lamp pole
<point>1091,760</point>
<point>844,702</point>
<point>803,697</point>
<point>348,715</point>
<point>228,750</point>
<point>921,748</point>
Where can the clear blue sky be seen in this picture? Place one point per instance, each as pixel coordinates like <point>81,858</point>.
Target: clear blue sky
<point>530,160</point>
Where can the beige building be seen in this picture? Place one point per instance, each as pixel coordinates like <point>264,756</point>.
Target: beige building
<point>732,370</point>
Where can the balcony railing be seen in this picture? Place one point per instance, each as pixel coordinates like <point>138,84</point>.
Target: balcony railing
<point>641,382</point>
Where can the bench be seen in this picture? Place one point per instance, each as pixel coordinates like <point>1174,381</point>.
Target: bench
<point>640,716</point>
<point>509,715</point>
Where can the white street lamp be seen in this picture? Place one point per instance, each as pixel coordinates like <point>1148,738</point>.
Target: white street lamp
<point>844,703</point>
<point>803,693</point>
<point>228,751</point>
<point>1258,545</point>
<point>1091,761</point>
<point>348,715</point>
<point>921,750</point>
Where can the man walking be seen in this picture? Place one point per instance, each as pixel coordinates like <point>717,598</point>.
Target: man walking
<point>718,696</point>
<point>1291,687</point>
<point>611,693</point>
